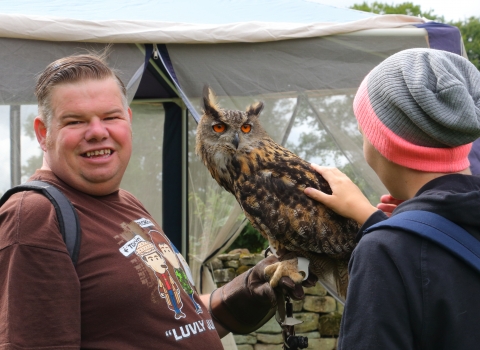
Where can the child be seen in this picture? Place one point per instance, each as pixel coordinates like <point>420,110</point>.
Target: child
<point>419,112</point>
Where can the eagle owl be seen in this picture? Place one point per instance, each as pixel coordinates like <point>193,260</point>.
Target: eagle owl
<point>268,182</point>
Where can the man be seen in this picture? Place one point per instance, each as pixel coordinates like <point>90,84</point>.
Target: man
<point>112,299</point>
<point>419,112</point>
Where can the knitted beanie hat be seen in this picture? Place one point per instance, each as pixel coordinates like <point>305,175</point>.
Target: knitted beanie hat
<point>420,108</point>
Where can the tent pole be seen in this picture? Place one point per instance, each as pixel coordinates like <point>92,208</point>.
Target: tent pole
<point>184,248</point>
<point>15,150</point>
<point>159,71</point>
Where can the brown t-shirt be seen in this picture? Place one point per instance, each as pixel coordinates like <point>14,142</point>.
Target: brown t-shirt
<point>130,289</point>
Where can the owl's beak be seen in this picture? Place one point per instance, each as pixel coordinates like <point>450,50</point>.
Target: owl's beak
<point>236,140</point>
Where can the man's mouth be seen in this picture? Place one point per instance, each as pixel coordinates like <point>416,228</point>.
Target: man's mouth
<point>97,153</point>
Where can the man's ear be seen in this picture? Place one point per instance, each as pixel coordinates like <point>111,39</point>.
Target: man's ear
<point>130,114</point>
<point>40,132</point>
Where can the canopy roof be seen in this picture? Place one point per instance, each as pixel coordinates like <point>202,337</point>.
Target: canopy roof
<point>183,21</point>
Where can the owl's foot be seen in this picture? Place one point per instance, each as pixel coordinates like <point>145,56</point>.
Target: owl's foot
<point>288,268</point>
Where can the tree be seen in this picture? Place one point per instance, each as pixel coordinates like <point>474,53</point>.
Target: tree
<point>470,28</point>
<point>406,8</point>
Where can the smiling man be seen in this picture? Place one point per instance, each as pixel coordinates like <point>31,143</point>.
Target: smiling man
<point>117,296</point>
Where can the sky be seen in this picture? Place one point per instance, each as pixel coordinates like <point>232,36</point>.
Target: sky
<point>452,10</point>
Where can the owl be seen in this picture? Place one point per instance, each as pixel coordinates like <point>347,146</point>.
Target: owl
<point>268,182</point>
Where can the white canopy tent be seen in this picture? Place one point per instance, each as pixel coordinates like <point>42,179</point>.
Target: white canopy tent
<point>305,60</point>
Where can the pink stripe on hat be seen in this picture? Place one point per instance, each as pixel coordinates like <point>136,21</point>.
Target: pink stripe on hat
<point>400,151</point>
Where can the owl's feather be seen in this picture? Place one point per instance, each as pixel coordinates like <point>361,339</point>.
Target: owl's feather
<point>268,182</point>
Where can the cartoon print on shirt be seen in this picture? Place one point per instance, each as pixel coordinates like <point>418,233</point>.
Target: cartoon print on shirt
<point>186,268</point>
<point>159,239</point>
<point>167,287</point>
<point>182,277</point>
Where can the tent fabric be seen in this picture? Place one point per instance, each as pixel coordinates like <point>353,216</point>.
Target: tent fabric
<point>444,37</point>
<point>184,21</point>
<point>118,31</point>
<point>172,167</point>
<point>18,70</point>
<point>186,11</point>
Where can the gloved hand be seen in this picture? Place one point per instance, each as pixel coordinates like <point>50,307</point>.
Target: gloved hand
<point>248,301</point>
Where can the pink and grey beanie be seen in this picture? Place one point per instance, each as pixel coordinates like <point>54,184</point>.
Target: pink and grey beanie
<point>420,108</point>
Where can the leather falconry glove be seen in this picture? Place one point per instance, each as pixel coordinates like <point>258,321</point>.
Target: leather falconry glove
<point>248,301</point>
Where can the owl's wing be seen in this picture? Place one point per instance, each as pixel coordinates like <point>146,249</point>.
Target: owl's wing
<point>273,200</point>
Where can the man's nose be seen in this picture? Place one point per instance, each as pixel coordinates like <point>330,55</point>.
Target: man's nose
<point>96,130</point>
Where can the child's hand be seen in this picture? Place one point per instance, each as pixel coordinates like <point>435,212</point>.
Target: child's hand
<point>388,204</point>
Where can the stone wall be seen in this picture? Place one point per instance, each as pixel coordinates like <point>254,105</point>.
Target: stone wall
<point>320,312</point>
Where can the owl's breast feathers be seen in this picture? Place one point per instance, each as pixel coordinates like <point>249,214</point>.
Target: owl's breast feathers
<point>268,182</point>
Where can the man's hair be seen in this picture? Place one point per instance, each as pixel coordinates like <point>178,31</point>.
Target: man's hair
<point>72,69</point>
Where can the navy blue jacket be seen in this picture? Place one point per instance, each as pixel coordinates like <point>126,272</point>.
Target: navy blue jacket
<point>406,292</point>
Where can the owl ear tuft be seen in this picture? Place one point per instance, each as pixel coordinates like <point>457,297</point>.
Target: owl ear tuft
<point>255,109</point>
<point>210,103</point>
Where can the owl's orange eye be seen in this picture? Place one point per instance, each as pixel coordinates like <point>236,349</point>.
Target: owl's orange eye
<point>219,127</point>
<point>246,128</point>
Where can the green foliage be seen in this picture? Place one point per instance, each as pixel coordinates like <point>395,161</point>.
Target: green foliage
<point>406,8</point>
<point>251,239</point>
<point>470,28</point>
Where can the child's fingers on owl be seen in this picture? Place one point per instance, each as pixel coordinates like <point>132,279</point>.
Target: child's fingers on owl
<point>346,198</point>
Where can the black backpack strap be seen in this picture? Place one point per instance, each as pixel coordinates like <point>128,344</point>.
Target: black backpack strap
<point>437,229</point>
<point>66,213</point>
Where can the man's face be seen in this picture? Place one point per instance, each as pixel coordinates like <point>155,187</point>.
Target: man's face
<point>90,140</point>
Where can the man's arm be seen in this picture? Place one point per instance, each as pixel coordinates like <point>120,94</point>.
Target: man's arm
<point>39,287</point>
<point>205,298</point>
<point>248,301</point>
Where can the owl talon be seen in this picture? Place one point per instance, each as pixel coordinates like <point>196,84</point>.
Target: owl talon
<point>280,269</point>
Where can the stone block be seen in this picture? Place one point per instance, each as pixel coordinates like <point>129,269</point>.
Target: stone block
<point>310,322</point>
<point>322,344</point>
<point>270,338</point>
<point>318,289</point>
<point>231,263</point>
<point>244,347</point>
<point>223,275</point>
<point>271,327</point>
<point>329,324</point>
<point>340,307</point>
<point>316,303</point>
<point>245,338</point>
<point>260,346</point>
<point>242,269</point>
<point>250,259</point>
<point>239,251</point>
<point>215,264</point>
<point>297,305</point>
<point>225,257</point>
<point>309,335</point>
